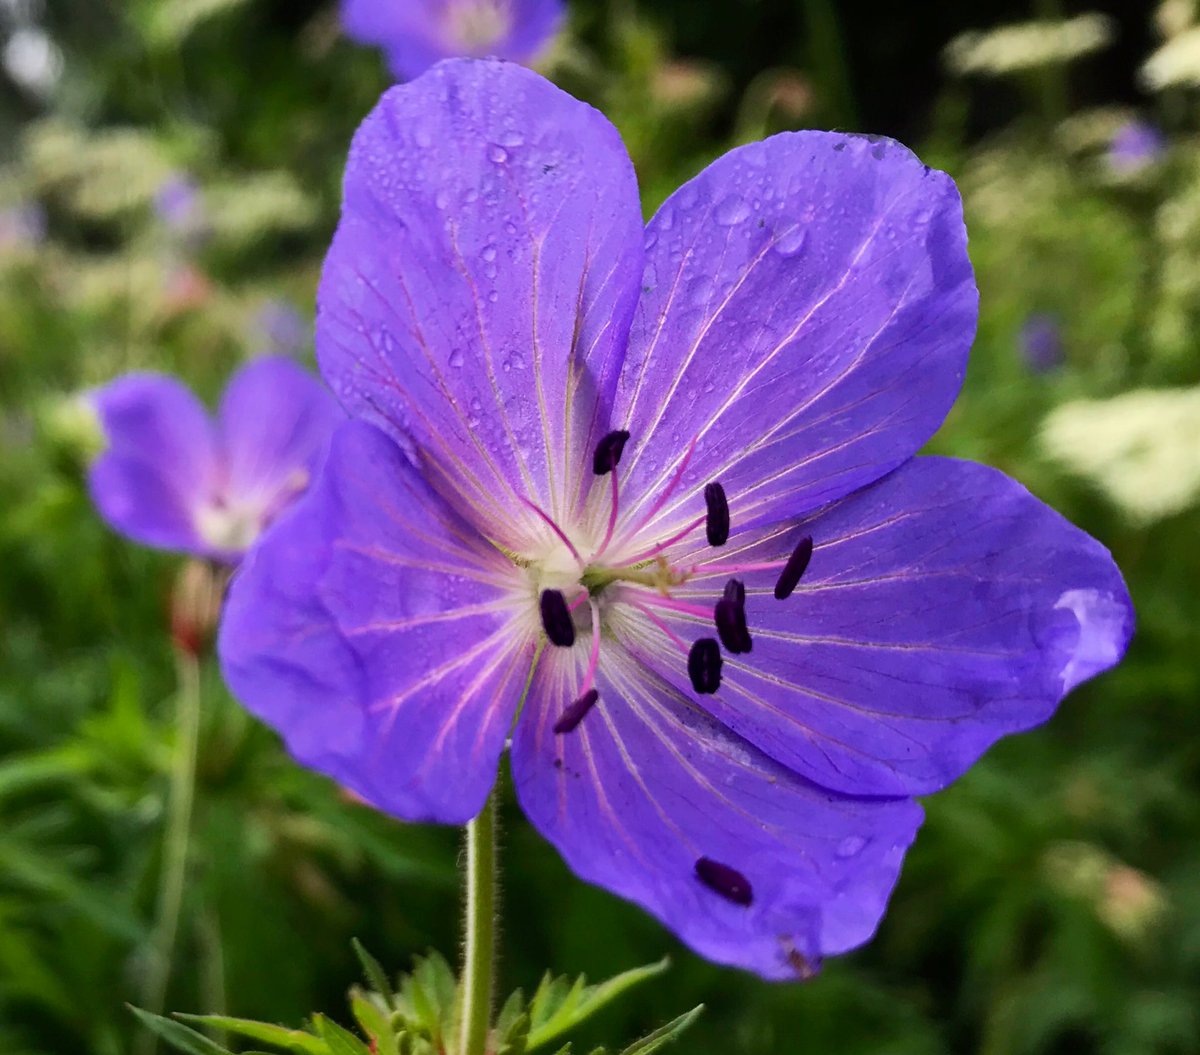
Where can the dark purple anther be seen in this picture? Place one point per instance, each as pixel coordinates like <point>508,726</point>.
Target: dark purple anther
<point>556,619</point>
<point>730,618</point>
<point>797,563</point>
<point>574,714</point>
<point>716,525</point>
<point>704,665</point>
<point>723,880</point>
<point>608,452</point>
<point>735,591</point>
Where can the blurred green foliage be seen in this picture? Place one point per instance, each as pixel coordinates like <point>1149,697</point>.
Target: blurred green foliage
<point>1052,902</point>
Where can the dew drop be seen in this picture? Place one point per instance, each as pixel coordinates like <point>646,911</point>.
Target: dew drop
<point>497,154</point>
<point>850,845</point>
<point>731,211</point>
<point>456,359</point>
<point>512,138</point>
<point>792,242</point>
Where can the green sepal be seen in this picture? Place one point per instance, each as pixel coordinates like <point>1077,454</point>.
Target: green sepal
<point>664,1034</point>
<point>338,1040</point>
<point>376,976</point>
<point>179,1036</point>
<point>559,1006</point>
<point>297,1040</point>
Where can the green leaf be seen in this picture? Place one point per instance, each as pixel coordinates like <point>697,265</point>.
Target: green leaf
<point>340,1041</point>
<point>429,997</point>
<point>664,1034</point>
<point>178,1035</point>
<point>557,1007</point>
<point>282,1037</point>
<point>374,1021</point>
<point>376,976</point>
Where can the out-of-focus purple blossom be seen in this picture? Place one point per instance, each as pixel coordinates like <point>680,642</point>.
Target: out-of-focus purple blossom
<point>1040,342</point>
<point>416,34</point>
<point>22,226</point>
<point>174,478</point>
<point>180,206</point>
<point>1134,147</point>
<point>280,328</point>
<point>654,486</point>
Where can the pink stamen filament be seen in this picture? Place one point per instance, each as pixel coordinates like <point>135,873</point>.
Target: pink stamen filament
<point>649,614</point>
<point>556,529</point>
<point>674,604</point>
<point>583,596</point>
<point>662,498</point>
<point>594,660</point>
<point>655,550</point>
<point>612,515</point>
<point>703,570</point>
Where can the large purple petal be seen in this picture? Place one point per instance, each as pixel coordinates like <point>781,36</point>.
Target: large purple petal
<point>416,34</point>
<point>274,424</point>
<point>480,286</point>
<point>160,464</point>
<point>648,784</point>
<point>944,607</point>
<point>373,629</point>
<point>807,313</point>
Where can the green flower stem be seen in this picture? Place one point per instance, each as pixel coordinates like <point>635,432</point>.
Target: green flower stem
<point>175,841</point>
<point>479,955</point>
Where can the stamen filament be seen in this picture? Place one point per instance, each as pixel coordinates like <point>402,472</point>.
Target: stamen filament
<point>662,498</point>
<point>653,551</point>
<point>612,516</point>
<point>648,612</point>
<point>594,660</point>
<point>549,520</point>
<point>676,605</point>
<point>703,571</point>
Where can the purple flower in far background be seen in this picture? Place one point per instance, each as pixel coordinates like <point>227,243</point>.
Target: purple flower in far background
<point>173,478</point>
<point>280,328</point>
<point>22,226</point>
<point>1134,147</point>
<point>1040,341</point>
<point>654,489</point>
<point>416,34</point>
<point>179,205</point>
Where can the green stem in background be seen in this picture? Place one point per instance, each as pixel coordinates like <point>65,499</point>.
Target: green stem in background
<point>479,954</point>
<point>175,841</point>
<point>828,63</point>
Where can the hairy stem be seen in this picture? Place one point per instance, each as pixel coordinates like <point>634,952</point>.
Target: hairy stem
<point>479,955</point>
<point>175,841</point>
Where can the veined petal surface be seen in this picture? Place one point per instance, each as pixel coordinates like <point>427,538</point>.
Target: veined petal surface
<point>274,425</point>
<point>480,287</point>
<point>648,784</point>
<point>160,464</point>
<point>373,629</point>
<point>943,607</point>
<point>807,311</point>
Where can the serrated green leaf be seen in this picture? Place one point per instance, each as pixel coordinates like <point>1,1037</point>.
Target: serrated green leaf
<point>556,1008</point>
<point>510,1014</point>
<point>430,997</point>
<point>288,1039</point>
<point>179,1036</point>
<point>376,975</point>
<point>340,1041</point>
<point>375,1023</point>
<point>664,1034</point>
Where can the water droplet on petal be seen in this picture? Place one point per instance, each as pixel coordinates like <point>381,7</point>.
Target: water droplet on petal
<point>850,845</point>
<point>497,154</point>
<point>512,138</point>
<point>731,211</point>
<point>456,358</point>
<point>791,242</point>
<point>489,252</point>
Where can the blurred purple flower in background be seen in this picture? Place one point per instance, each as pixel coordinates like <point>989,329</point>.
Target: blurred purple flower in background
<point>22,226</point>
<point>173,478</point>
<point>654,489</point>
<point>180,206</point>
<point>281,329</point>
<point>416,34</point>
<point>1040,342</point>
<point>1134,147</point>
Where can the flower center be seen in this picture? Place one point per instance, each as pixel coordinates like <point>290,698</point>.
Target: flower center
<point>628,572</point>
<point>476,26</point>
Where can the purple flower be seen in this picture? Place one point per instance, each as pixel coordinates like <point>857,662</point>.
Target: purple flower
<point>178,204</point>
<point>173,478</point>
<point>416,34</point>
<point>1040,342</point>
<point>22,226</point>
<point>1135,146</point>
<point>649,494</point>
<point>281,329</point>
